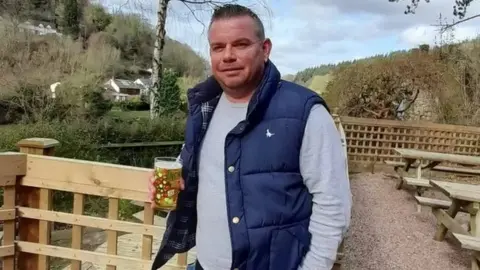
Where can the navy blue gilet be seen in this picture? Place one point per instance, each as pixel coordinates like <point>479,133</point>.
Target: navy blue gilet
<point>268,205</point>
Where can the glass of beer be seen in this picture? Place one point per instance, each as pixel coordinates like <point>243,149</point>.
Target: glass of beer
<point>168,171</point>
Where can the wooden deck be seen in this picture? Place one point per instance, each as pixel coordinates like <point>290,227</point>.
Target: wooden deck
<point>130,245</point>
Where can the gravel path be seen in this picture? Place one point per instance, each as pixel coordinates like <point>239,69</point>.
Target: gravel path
<point>388,234</point>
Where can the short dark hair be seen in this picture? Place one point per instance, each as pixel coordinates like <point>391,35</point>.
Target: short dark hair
<point>228,11</point>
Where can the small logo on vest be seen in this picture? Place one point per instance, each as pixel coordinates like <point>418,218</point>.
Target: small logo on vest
<point>269,134</point>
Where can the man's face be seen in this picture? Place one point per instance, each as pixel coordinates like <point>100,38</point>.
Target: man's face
<point>236,52</point>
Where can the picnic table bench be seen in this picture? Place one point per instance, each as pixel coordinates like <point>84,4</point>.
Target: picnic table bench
<point>412,156</point>
<point>457,170</point>
<point>416,159</point>
<point>464,197</point>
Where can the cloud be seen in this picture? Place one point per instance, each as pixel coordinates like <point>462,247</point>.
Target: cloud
<point>426,34</point>
<point>308,33</point>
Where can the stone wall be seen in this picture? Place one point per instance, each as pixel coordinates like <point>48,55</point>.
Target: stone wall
<point>423,108</point>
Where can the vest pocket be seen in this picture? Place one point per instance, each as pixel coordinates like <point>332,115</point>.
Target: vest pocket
<point>288,246</point>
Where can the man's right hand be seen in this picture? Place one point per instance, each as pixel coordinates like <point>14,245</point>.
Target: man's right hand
<point>151,188</point>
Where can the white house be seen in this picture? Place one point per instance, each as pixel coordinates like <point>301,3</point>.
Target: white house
<point>145,83</point>
<point>120,90</point>
<point>39,27</point>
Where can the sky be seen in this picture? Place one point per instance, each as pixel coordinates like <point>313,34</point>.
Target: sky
<point>308,33</point>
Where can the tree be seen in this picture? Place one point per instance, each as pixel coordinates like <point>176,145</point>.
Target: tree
<point>17,10</point>
<point>95,19</point>
<point>459,11</point>
<point>132,34</point>
<point>168,94</point>
<point>71,18</point>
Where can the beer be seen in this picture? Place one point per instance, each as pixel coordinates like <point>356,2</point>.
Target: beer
<point>168,172</point>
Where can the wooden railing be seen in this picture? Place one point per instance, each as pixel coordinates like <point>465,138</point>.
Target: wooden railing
<point>372,140</point>
<point>28,179</point>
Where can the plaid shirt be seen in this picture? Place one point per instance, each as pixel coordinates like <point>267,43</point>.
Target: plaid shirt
<point>181,228</point>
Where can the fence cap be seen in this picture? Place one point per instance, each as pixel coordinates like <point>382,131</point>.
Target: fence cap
<point>40,143</point>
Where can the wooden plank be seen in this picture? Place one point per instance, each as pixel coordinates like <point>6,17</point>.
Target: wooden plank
<point>465,192</point>
<point>9,194</point>
<point>12,163</point>
<point>112,235</point>
<point>44,227</point>
<point>83,255</point>
<point>459,170</point>
<point>82,172</point>
<point>475,231</point>
<point>7,251</point>
<point>88,189</point>
<point>7,180</point>
<point>28,229</point>
<point>38,143</point>
<point>141,144</point>
<point>422,182</point>
<point>468,241</point>
<point>7,214</point>
<point>434,156</point>
<point>446,222</point>
<point>451,186</point>
<point>147,240</point>
<point>77,230</point>
<point>93,222</point>
<point>434,203</point>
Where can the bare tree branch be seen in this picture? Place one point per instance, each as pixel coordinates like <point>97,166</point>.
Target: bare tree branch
<point>208,2</point>
<point>449,26</point>
<point>194,15</point>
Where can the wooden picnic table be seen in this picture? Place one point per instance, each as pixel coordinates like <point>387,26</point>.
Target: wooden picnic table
<point>464,197</point>
<point>467,197</point>
<point>410,156</point>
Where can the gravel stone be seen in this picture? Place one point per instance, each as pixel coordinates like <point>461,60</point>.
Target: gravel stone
<point>388,233</point>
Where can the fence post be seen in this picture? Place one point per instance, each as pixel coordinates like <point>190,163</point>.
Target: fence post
<point>12,166</point>
<point>33,230</point>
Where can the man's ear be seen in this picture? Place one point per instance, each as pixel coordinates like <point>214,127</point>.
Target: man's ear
<point>267,48</point>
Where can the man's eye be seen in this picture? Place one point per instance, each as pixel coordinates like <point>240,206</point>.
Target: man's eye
<point>241,45</point>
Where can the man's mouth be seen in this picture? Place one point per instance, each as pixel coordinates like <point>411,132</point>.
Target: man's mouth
<point>231,69</point>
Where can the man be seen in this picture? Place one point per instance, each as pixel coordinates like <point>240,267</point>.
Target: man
<point>265,181</point>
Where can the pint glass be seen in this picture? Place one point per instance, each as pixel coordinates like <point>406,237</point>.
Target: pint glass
<point>168,172</point>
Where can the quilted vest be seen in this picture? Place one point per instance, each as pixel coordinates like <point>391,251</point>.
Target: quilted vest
<point>268,205</point>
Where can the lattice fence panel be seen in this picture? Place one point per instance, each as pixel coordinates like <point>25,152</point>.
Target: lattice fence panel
<point>370,140</point>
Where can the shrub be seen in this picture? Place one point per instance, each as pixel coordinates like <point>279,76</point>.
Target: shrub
<point>136,104</point>
<point>373,88</point>
<point>33,103</point>
<point>96,105</point>
<point>168,100</point>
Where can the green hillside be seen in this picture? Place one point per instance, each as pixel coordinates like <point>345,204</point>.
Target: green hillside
<point>319,83</point>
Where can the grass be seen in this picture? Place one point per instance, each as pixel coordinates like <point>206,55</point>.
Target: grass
<point>129,115</point>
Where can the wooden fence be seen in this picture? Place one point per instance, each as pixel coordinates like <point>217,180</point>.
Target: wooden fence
<point>28,179</point>
<point>372,140</point>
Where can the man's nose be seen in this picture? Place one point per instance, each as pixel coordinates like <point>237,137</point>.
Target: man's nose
<point>229,54</point>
